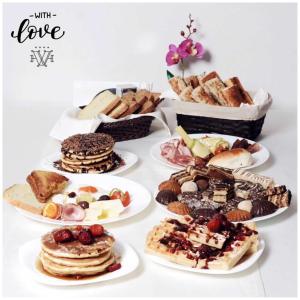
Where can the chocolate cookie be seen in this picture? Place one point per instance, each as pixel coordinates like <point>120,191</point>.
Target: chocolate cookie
<point>166,196</point>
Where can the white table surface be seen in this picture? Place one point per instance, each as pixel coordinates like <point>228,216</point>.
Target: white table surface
<point>274,275</point>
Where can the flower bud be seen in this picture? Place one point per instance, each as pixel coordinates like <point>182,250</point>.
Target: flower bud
<point>182,33</point>
<point>194,30</point>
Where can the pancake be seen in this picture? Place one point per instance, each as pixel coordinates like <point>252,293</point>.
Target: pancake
<point>75,249</point>
<point>62,270</point>
<point>78,162</point>
<point>100,167</point>
<point>87,144</point>
<point>78,262</point>
<point>69,155</point>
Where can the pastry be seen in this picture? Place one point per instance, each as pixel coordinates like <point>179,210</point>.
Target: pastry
<point>194,200</point>
<point>245,205</point>
<point>189,186</point>
<point>44,184</point>
<point>171,185</point>
<point>232,159</point>
<point>220,173</point>
<point>202,184</point>
<point>186,94</point>
<point>178,208</point>
<point>281,200</point>
<point>240,174</point>
<point>165,197</point>
<point>262,208</point>
<point>206,213</point>
<point>181,176</point>
<point>201,96</point>
<point>238,215</point>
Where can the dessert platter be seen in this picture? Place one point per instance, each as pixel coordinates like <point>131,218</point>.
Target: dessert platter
<point>239,194</point>
<point>209,149</point>
<point>77,255</point>
<point>204,245</point>
<point>90,153</point>
<point>53,198</point>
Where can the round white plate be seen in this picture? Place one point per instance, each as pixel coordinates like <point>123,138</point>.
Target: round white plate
<point>29,252</point>
<point>241,266</point>
<point>129,158</point>
<point>256,219</point>
<point>140,197</point>
<point>259,157</point>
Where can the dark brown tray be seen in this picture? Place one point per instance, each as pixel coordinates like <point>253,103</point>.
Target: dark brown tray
<point>127,129</point>
<point>243,128</point>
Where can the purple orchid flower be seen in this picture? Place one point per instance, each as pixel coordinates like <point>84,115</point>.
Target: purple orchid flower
<point>173,56</point>
<point>188,48</point>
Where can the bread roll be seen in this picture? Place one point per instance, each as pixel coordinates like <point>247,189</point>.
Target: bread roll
<point>232,159</point>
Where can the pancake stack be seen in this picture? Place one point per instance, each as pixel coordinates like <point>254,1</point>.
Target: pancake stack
<point>88,153</point>
<point>73,258</point>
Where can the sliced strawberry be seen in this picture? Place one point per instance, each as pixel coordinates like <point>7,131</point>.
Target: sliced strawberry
<point>125,199</point>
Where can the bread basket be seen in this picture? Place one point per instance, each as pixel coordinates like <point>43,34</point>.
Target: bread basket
<point>124,130</point>
<point>245,121</point>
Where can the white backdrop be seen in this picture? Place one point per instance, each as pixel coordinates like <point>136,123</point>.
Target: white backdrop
<point>257,42</point>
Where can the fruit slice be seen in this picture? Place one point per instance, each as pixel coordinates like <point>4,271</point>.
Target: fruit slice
<point>200,149</point>
<point>88,189</point>
<point>51,210</point>
<point>187,140</point>
<point>126,199</point>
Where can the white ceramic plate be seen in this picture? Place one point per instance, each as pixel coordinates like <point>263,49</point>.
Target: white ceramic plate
<point>256,219</point>
<point>241,266</point>
<point>259,157</point>
<point>129,158</point>
<point>140,197</point>
<point>28,254</point>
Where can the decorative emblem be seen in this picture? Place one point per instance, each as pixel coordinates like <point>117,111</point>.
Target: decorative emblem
<point>41,57</point>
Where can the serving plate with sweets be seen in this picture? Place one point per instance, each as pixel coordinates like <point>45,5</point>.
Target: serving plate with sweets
<point>241,195</point>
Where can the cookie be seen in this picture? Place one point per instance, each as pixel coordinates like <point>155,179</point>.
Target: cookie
<point>170,185</point>
<point>238,215</point>
<point>165,197</point>
<point>178,208</point>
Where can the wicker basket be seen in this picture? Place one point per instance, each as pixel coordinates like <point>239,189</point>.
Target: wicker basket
<point>245,121</point>
<point>243,128</point>
<point>127,129</point>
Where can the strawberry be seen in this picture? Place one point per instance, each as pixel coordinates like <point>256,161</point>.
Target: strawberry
<point>114,267</point>
<point>126,199</point>
<point>96,230</point>
<point>214,225</point>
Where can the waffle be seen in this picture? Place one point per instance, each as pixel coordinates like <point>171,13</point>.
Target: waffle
<point>187,243</point>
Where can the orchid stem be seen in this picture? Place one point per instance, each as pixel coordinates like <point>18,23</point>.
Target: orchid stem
<point>182,68</point>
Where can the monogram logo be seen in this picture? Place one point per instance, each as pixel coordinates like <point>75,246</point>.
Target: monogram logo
<point>37,27</point>
<point>41,57</point>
